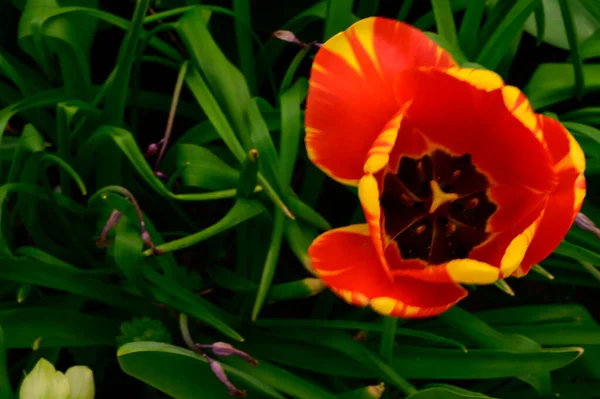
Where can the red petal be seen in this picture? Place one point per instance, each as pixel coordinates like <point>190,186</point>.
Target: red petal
<point>346,260</point>
<point>351,98</point>
<point>564,203</point>
<point>467,113</point>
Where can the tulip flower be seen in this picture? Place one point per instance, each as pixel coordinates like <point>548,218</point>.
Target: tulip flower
<point>461,182</point>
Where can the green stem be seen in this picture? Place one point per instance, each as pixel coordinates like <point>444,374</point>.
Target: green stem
<point>388,334</point>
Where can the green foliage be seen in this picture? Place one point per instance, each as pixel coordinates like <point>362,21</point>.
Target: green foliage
<point>143,329</point>
<point>107,234</point>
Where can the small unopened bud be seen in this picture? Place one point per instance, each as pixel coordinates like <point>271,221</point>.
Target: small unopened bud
<point>161,175</point>
<point>585,223</point>
<point>225,349</point>
<point>218,371</point>
<point>153,149</point>
<point>287,36</point>
<point>376,391</point>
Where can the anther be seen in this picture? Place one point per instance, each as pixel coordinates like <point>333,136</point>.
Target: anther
<point>454,176</point>
<point>420,171</point>
<point>450,228</point>
<point>421,229</point>
<point>406,199</point>
<point>472,203</point>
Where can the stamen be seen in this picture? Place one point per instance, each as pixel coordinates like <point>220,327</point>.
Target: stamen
<point>450,228</point>
<point>472,203</point>
<point>421,229</point>
<point>420,171</point>
<point>454,176</point>
<point>406,199</point>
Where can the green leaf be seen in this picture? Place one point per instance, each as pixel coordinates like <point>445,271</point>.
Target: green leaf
<point>553,83</point>
<point>447,393</point>
<point>499,42</point>
<point>269,267</point>
<point>226,82</point>
<point>555,32</point>
<point>241,8</point>
<point>247,180</point>
<point>202,168</point>
<point>569,23</point>
<point>69,38</point>
<point>261,140</point>
<point>281,379</point>
<point>339,17</point>
<point>56,327</point>
<point>411,361</point>
<point>444,20</point>
<point>291,126</point>
<point>469,27</point>
<point>55,275</point>
<point>127,144</point>
<point>240,212</point>
<point>116,94</point>
<point>5,388</point>
<point>540,23</point>
<point>182,373</point>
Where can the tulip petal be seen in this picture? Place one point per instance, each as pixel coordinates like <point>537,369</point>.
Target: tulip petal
<point>468,114</point>
<point>351,97</point>
<point>346,260</point>
<point>564,203</point>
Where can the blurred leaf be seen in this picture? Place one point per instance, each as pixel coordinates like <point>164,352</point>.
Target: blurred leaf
<point>125,141</point>
<point>55,275</point>
<point>247,180</point>
<point>56,327</point>
<point>116,93</point>
<point>338,17</point>
<point>447,393</point>
<point>67,37</point>
<point>240,212</point>
<point>291,127</point>
<point>499,42</point>
<point>241,8</point>
<point>226,82</point>
<point>555,32</point>
<point>182,373</point>
<point>444,20</point>
<point>470,26</point>
<point>553,83</point>
<point>570,27</point>
<point>143,329</point>
<point>5,388</point>
<point>411,361</point>
<point>270,265</point>
<point>201,168</point>
<point>281,379</point>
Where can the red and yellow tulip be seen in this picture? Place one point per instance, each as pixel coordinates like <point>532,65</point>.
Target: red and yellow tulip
<point>461,182</point>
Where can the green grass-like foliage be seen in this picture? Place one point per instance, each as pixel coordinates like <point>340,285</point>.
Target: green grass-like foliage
<point>107,238</point>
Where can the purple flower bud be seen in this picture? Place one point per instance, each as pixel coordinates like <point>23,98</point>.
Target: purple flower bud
<point>225,349</point>
<point>161,175</point>
<point>153,149</point>
<point>287,36</point>
<point>585,223</point>
<point>217,369</point>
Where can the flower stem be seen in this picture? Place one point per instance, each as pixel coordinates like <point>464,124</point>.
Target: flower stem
<point>386,347</point>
